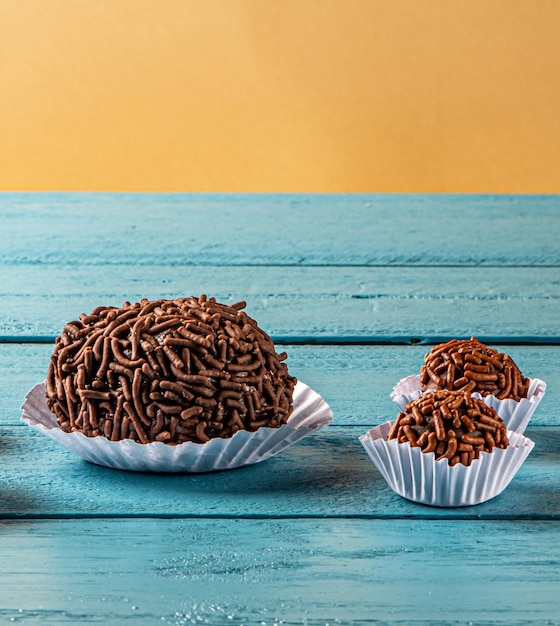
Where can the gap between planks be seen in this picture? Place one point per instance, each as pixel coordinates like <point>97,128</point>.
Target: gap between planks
<point>479,517</point>
<point>334,340</point>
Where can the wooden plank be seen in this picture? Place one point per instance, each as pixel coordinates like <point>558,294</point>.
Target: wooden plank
<point>85,543</point>
<point>273,572</point>
<point>297,304</point>
<point>326,474</point>
<point>355,380</point>
<point>279,229</point>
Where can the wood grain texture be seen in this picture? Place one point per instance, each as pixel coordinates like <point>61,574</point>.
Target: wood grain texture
<point>328,474</point>
<point>288,572</point>
<point>279,229</point>
<point>313,536</point>
<point>354,380</point>
<point>300,304</point>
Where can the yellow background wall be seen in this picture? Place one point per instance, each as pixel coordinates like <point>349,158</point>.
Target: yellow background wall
<point>280,95</point>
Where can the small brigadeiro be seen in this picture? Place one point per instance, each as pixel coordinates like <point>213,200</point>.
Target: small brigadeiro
<point>469,365</point>
<point>171,371</point>
<point>447,448</point>
<point>469,406</point>
<point>451,424</point>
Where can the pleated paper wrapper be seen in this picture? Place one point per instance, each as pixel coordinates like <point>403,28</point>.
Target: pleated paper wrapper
<point>417,476</point>
<point>516,415</point>
<point>310,414</point>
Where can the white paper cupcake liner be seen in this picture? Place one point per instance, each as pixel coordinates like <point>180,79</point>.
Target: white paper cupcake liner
<point>516,415</point>
<point>417,476</point>
<point>310,414</point>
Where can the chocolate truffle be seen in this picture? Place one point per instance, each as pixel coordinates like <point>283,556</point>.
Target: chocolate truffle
<point>469,365</point>
<point>451,424</point>
<point>189,369</point>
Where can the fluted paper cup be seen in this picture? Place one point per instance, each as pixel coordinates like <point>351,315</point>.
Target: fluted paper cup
<point>417,476</point>
<point>516,415</point>
<point>310,414</point>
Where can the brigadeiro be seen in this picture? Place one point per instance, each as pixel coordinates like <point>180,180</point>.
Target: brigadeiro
<point>171,371</point>
<point>469,365</point>
<point>447,448</point>
<point>451,424</point>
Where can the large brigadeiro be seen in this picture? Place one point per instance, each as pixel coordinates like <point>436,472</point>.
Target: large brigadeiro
<point>189,369</point>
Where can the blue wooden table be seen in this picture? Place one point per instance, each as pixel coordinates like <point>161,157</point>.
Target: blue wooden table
<point>355,288</point>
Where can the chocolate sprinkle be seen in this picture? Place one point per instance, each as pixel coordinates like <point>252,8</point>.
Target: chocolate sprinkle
<point>189,369</point>
<point>469,365</point>
<point>451,424</point>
